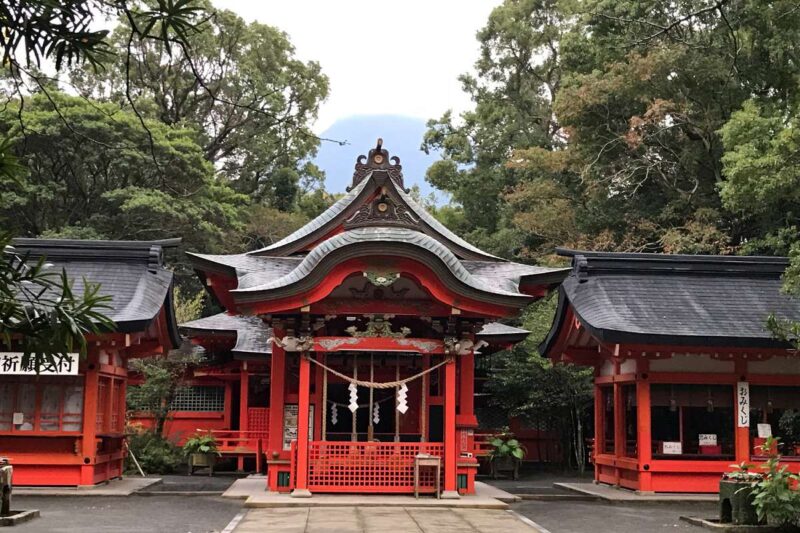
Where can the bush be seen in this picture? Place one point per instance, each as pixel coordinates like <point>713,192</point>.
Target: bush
<point>201,443</point>
<point>155,454</point>
<point>775,498</point>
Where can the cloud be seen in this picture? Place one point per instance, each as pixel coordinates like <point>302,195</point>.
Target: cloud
<point>399,58</point>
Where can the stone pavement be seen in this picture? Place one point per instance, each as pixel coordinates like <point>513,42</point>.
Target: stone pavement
<point>253,490</point>
<point>381,520</point>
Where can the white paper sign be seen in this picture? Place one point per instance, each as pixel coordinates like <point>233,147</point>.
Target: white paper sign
<point>290,412</point>
<point>11,365</point>
<point>764,431</point>
<point>18,419</point>
<point>707,439</point>
<point>743,404</point>
<point>671,448</point>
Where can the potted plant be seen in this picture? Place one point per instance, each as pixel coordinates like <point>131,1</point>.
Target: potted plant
<point>201,451</point>
<point>506,454</point>
<point>736,495</point>
<point>789,423</point>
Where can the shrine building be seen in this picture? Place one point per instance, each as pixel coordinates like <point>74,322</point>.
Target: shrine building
<point>348,348</point>
<point>65,426</point>
<point>688,377</point>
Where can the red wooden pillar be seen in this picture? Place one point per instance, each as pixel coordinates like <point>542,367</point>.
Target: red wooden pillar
<point>741,434</point>
<point>276,457</point>
<point>619,428</point>
<point>450,431</point>
<point>276,390</point>
<point>599,429</point>
<point>303,400</point>
<point>318,402</point>
<point>228,405</point>
<point>89,436</point>
<point>643,428</point>
<point>467,396</point>
<point>244,388</point>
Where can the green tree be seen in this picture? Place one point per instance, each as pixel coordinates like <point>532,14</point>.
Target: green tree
<point>163,377</point>
<point>516,75</point>
<point>526,385</point>
<point>40,312</point>
<point>240,85</point>
<point>597,122</point>
<point>133,190</point>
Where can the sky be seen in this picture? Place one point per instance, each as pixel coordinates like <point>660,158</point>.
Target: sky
<point>402,57</point>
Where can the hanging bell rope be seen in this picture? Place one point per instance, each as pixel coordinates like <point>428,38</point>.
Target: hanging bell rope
<point>374,385</point>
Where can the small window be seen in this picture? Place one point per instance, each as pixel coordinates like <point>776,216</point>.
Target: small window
<point>199,398</point>
<point>51,404</point>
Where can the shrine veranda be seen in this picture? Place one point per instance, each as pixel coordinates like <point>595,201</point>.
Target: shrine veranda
<point>349,348</point>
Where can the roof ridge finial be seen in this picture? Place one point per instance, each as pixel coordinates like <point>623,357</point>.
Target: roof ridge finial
<point>378,160</point>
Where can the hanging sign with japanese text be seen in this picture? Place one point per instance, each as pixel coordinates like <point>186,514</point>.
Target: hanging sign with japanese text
<point>707,439</point>
<point>290,418</point>
<point>62,365</point>
<point>743,404</point>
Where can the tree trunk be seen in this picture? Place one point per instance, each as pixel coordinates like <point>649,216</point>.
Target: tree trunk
<point>580,447</point>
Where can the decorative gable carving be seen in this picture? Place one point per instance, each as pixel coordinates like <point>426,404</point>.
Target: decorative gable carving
<point>378,161</point>
<point>382,211</point>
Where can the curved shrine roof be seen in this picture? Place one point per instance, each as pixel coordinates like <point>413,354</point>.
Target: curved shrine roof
<point>253,336</point>
<point>377,217</point>
<point>688,300</point>
<point>131,272</point>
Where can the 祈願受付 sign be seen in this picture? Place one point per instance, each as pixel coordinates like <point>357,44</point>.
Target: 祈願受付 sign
<point>12,364</point>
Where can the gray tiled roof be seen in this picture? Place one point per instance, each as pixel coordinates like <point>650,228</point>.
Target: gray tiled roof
<point>131,272</point>
<point>440,228</point>
<point>667,299</point>
<point>338,211</point>
<point>251,270</point>
<point>327,216</point>
<point>252,335</point>
<point>508,276</point>
<point>398,238</point>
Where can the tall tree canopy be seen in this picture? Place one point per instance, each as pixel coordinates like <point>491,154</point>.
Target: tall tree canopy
<point>601,123</point>
<point>116,186</point>
<point>625,125</point>
<point>239,84</point>
<point>516,75</point>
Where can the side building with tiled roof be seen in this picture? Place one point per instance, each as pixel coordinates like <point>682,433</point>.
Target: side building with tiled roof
<point>689,377</point>
<point>66,426</point>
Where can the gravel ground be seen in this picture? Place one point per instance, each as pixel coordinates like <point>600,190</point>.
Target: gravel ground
<point>132,514</point>
<point>202,483</point>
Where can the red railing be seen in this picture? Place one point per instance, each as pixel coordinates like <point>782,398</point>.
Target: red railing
<point>237,443</point>
<point>483,444</point>
<point>258,422</point>
<point>369,466</point>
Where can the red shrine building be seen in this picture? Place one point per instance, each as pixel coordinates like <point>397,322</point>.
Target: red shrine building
<point>688,378</point>
<point>65,426</point>
<point>348,348</point>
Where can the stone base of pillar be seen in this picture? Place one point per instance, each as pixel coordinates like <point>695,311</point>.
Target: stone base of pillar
<point>300,493</point>
<point>451,495</point>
